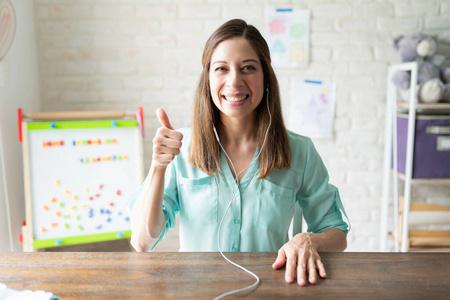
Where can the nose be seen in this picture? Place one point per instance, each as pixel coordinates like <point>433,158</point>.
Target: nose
<point>235,78</point>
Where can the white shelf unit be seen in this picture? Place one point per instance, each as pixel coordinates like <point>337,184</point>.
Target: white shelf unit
<point>391,173</point>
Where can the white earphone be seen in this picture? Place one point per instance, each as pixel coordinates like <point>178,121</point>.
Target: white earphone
<point>235,189</point>
<point>215,132</point>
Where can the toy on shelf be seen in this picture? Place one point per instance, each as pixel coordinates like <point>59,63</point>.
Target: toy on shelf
<point>433,82</point>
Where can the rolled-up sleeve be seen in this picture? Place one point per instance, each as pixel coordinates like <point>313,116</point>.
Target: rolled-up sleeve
<point>170,201</point>
<point>319,200</point>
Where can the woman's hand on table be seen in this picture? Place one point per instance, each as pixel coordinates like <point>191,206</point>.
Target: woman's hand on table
<point>300,253</point>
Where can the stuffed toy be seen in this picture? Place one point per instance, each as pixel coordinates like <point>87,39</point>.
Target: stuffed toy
<point>433,82</point>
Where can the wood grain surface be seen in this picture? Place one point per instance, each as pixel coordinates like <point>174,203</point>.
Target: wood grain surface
<point>129,275</point>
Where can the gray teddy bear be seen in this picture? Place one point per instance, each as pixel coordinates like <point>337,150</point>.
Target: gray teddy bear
<point>433,80</point>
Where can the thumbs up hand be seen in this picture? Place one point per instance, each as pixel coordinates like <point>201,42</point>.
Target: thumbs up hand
<point>167,141</point>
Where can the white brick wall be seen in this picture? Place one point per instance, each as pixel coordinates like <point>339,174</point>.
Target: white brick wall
<point>104,54</point>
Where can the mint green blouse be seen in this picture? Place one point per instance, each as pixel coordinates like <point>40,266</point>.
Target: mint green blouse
<point>261,213</point>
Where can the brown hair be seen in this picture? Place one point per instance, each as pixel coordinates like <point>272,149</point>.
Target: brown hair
<point>205,150</point>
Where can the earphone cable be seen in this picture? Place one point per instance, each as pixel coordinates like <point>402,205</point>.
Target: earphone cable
<point>235,190</point>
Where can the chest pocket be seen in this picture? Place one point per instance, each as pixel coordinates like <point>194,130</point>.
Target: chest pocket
<point>275,206</point>
<point>198,200</point>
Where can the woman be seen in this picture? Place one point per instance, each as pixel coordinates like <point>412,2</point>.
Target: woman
<point>237,119</point>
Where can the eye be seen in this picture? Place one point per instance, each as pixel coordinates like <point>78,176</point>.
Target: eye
<point>249,68</point>
<point>219,69</point>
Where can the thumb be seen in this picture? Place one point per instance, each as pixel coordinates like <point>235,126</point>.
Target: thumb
<point>281,259</point>
<point>163,118</point>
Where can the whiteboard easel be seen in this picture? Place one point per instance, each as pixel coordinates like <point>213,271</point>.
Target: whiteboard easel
<point>79,170</point>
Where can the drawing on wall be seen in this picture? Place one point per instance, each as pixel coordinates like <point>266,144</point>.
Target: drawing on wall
<point>312,108</point>
<point>287,33</point>
<point>7,27</point>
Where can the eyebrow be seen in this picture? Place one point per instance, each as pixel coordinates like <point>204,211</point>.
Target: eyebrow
<point>244,61</point>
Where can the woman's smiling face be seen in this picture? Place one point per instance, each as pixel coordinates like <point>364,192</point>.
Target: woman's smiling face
<point>236,78</point>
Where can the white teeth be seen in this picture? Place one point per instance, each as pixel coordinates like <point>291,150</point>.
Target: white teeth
<point>235,99</point>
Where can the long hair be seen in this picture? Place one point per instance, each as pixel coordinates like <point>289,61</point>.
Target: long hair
<point>205,150</point>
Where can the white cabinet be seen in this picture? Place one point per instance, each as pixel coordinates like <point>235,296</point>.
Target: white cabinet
<point>403,209</point>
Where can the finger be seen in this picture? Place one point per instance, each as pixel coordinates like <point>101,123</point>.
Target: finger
<point>161,149</point>
<point>321,269</point>
<point>312,271</point>
<point>291,262</point>
<point>281,259</point>
<point>163,159</point>
<point>163,118</point>
<point>163,140</point>
<point>301,270</point>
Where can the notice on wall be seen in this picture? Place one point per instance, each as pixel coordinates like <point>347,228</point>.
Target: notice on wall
<point>312,108</point>
<point>287,34</point>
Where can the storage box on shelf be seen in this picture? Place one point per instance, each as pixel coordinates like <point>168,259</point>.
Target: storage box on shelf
<point>431,146</point>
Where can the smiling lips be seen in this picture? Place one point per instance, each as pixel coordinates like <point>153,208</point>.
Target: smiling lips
<point>235,98</point>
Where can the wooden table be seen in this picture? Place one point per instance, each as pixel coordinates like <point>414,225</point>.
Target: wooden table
<point>163,275</point>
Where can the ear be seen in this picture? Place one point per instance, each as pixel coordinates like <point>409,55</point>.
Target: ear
<point>396,41</point>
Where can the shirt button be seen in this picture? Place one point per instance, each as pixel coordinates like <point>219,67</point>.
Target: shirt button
<point>236,221</point>
<point>234,249</point>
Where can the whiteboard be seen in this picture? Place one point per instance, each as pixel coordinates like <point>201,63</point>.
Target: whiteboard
<point>80,175</point>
